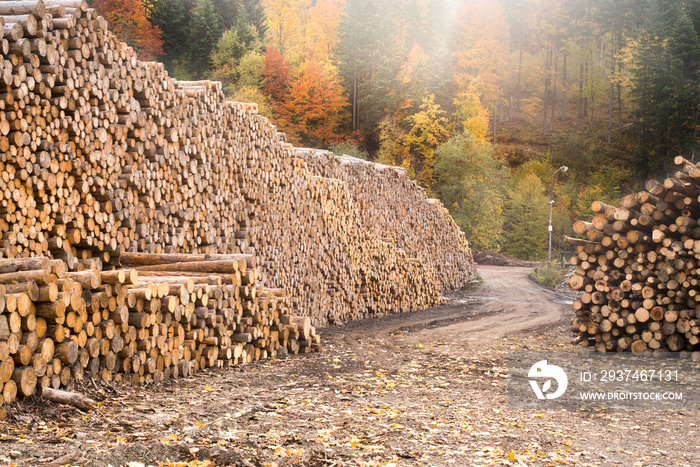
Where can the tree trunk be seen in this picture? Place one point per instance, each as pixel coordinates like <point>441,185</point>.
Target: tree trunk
<point>546,93</point>
<point>564,88</point>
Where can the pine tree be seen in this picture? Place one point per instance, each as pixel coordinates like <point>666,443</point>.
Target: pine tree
<point>666,60</point>
<point>205,30</point>
<point>252,12</point>
<point>367,59</point>
<point>171,17</point>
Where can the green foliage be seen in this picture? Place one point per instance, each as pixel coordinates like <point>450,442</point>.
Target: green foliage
<point>526,219</point>
<point>237,59</point>
<point>550,275</point>
<point>469,180</point>
<point>206,28</point>
<point>666,84</point>
<point>171,17</point>
<point>191,30</point>
<point>349,148</point>
<point>250,70</point>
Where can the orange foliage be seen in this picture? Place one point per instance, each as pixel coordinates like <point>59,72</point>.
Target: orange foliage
<point>315,108</point>
<point>127,19</point>
<point>277,75</point>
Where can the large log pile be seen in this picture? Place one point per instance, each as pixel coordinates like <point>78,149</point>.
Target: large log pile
<point>103,156</point>
<point>638,268</point>
<point>395,209</point>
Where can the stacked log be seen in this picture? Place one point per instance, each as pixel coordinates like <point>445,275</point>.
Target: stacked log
<point>164,316</point>
<point>396,210</point>
<point>104,157</point>
<point>638,268</point>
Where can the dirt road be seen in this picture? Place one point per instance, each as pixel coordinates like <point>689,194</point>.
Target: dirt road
<point>506,303</point>
<point>426,388</point>
<point>511,303</point>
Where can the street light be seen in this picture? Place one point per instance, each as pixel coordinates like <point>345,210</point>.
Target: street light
<point>563,168</point>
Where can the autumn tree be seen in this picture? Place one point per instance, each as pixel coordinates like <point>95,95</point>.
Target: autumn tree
<point>304,29</point>
<point>277,76</point>
<point>470,178</point>
<point>314,111</point>
<point>471,115</point>
<point>480,54</point>
<point>428,128</point>
<point>392,147</point>
<point>127,19</point>
<point>206,28</point>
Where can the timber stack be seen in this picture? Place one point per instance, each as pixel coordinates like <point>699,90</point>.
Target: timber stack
<point>396,210</point>
<point>639,268</point>
<point>161,316</point>
<point>104,158</point>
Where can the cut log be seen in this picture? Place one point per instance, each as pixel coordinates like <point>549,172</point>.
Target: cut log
<point>68,398</point>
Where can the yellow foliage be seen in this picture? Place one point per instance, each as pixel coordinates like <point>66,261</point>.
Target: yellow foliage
<point>303,29</point>
<point>472,114</point>
<point>481,49</point>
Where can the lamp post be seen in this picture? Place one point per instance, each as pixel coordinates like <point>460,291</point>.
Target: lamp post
<point>563,168</point>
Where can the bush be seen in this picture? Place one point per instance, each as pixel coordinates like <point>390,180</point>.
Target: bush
<point>549,275</point>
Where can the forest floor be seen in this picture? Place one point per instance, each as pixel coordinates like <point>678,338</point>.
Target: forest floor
<point>426,388</point>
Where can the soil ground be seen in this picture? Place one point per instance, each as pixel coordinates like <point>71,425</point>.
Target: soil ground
<point>426,388</point>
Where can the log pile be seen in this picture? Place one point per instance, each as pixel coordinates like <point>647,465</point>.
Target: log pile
<point>163,316</point>
<point>103,157</point>
<point>396,210</point>
<point>638,268</point>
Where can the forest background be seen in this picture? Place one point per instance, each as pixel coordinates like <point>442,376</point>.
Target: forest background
<point>480,100</point>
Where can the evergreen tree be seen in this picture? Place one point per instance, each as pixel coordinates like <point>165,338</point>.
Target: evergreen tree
<point>367,60</point>
<point>252,12</point>
<point>171,17</point>
<point>205,30</point>
<point>665,66</point>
